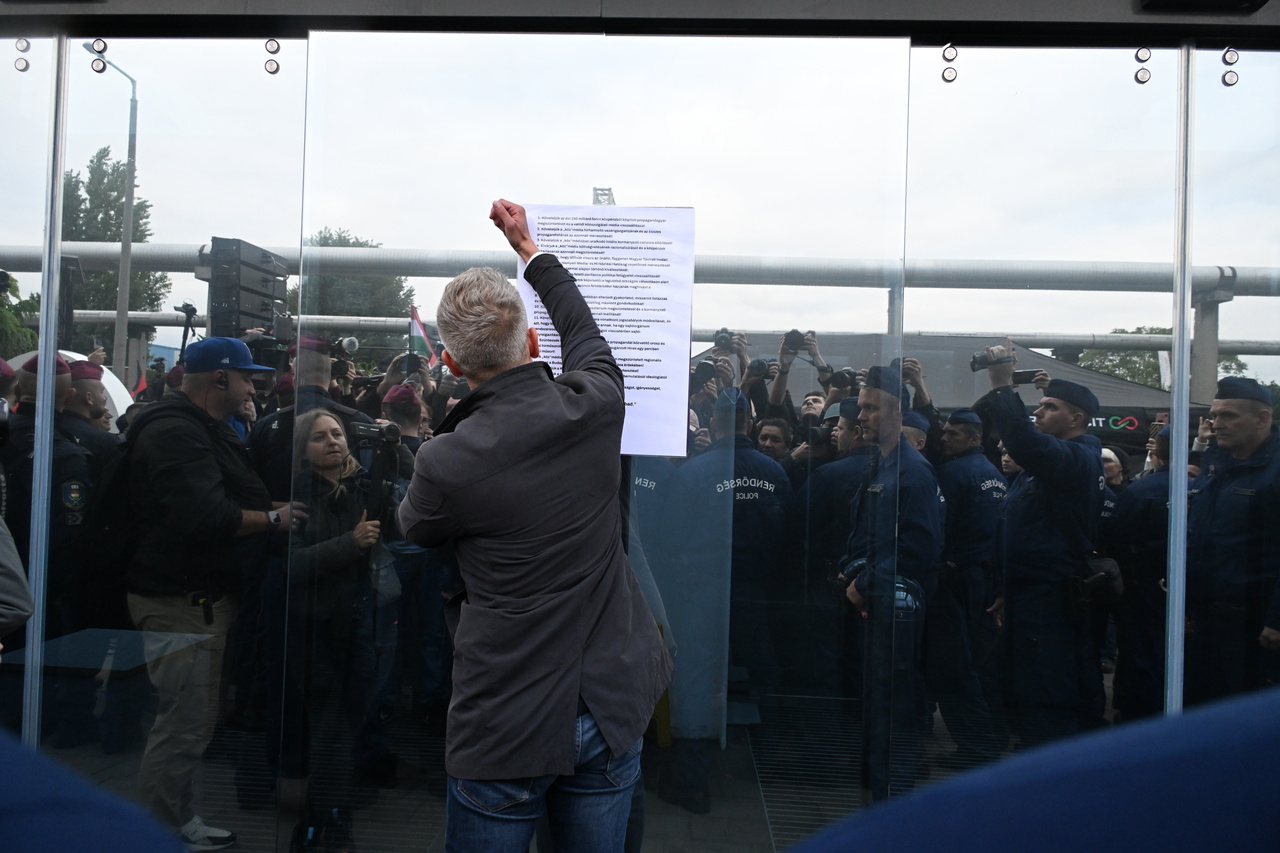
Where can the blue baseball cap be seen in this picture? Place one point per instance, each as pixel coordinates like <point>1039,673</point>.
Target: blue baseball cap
<point>210,354</point>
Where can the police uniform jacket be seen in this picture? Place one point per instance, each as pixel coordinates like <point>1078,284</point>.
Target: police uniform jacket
<point>898,517</point>
<point>1140,529</point>
<point>189,478</point>
<point>973,488</point>
<point>524,476</point>
<point>1049,518</point>
<point>1233,535</point>
<point>102,444</point>
<point>820,509</point>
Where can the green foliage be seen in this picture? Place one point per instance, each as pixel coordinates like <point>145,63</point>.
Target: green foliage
<point>1144,367</point>
<point>93,211</point>
<point>355,296</point>
<point>14,337</point>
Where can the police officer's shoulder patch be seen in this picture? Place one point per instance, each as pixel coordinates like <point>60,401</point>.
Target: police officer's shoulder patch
<point>73,494</point>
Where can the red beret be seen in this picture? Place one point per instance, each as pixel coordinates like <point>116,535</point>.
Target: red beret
<point>400,394</point>
<point>173,379</point>
<point>86,370</point>
<point>6,372</point>
<point>60,369</point>
<point>284,385</point>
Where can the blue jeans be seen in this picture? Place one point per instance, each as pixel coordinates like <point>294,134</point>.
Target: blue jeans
<point>588,811</point>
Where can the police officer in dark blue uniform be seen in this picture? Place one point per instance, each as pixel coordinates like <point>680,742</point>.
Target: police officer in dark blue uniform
<point>731,493</point>
<point>820,519</point>
<point>959,641</point>
<point>1233,548</point>
<point>892,564</point>
<point>1139,542</point>
<point>1048,527</point>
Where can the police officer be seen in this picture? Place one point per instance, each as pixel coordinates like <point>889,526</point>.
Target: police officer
<point>88,404</point>
<point>1233,600</point>
<point>1139,542</point>
<point>730,493</point>
<point>958,641</point>
<point>1048,527</point>
<point>892,564</point>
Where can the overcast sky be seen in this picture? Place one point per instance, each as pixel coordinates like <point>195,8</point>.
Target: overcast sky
<point>785,147</point>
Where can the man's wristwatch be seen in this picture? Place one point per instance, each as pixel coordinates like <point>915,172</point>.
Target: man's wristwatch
<point>274,517</point>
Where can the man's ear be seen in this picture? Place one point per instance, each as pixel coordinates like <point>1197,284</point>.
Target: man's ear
<point>534,350</point>
<point>450,363</point>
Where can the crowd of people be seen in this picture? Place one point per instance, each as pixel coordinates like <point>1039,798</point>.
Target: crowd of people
<point>862,544</point>
<point>990,562</point>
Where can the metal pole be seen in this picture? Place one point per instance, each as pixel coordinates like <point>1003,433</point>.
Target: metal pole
<point>1176,574</point>
<point>119,349</point>
<point>42,461</point>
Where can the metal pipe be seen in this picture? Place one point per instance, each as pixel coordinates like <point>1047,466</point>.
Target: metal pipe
<point>714,269</point>
<point>42,458</point>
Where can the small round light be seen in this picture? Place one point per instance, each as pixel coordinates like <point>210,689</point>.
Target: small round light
<point>99,46</point>
<point>1143,54</point>
<point>272,66</point>
<point>1142,75</point>
<point>99,65</point>
<point>949,74</point>
<point>949,53</point>
<point>22,45</point>
<point>21,63</point>
<point>1230,56</point>
<point>273,46</point>
<point>1230,78</point>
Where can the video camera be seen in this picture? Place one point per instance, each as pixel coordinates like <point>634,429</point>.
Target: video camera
<point>342,349</point>
<point>371,436</point>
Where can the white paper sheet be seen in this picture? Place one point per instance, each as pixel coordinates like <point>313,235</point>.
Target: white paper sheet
<point>634,266</point>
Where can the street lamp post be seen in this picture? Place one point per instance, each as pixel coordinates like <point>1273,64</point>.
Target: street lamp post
<point>119,347</point>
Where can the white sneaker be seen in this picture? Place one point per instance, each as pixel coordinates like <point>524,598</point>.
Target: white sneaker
<point>197,836</point>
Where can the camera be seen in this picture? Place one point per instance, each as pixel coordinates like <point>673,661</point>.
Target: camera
<point>758,366</point>
<point>793,340</point>
<point>843,378</point>
<point>724,339</point>
<point>367,381</point>
<point>411,363</point>
<point>818,437</point>
<point>342,349</point>
<point>366,436</point>
<point>982,360</point>
<point>703,372</point>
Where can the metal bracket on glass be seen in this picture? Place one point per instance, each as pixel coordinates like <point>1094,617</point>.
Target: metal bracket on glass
<point>1230,57</point>
<point>271,65</point>
<point>949,54</point>
<point>1143,74</point>
<point>22,46</point>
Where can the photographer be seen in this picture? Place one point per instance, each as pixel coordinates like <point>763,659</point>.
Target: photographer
<point>789,346</point>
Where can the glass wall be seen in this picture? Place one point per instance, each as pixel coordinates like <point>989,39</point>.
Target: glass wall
<point>869,216</point>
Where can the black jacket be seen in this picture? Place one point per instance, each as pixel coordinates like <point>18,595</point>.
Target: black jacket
<point>523,475</point>
<point>189,480</point>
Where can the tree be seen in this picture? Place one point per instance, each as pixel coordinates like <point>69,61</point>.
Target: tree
<point>14,337</point>
<point>1141,366</point>
<point>93,211</point>
<point>355,296</point>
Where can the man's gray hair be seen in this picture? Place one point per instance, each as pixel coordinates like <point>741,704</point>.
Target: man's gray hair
<point>482,322</point>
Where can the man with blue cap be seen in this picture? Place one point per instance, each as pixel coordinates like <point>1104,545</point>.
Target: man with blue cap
<point>891,568</point>
<point>200,517</point>
<point>1233,548</point>
<point>959,659</point>
<point>1140,541</point>
<point>1048,528</point>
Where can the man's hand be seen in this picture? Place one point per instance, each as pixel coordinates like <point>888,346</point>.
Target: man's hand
<point>701,440</point>
<point>724,373</point>
<point>786,357</point>
<point>811,345</point>
<point>292,514</point>
<point>997,611</point>
<point>1041,380</point>
<point>510,219</point>
<point>856,598</point>
<point>1269,639</point>
<point>912,372</point>
<point>1001,374</point>
<point>98,356</point>
<point>1204,433</point>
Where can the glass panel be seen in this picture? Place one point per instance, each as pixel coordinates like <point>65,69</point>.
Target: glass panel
<point>1040,209</point>
<point>149,563</point>
<point>1231,622</point>
<point>791,154</point>
<point>25,107</point>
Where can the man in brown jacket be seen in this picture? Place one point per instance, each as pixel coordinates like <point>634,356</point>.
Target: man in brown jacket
<point>558,662</point>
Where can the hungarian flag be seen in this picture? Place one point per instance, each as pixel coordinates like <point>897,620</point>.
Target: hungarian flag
<point>418,341</point>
